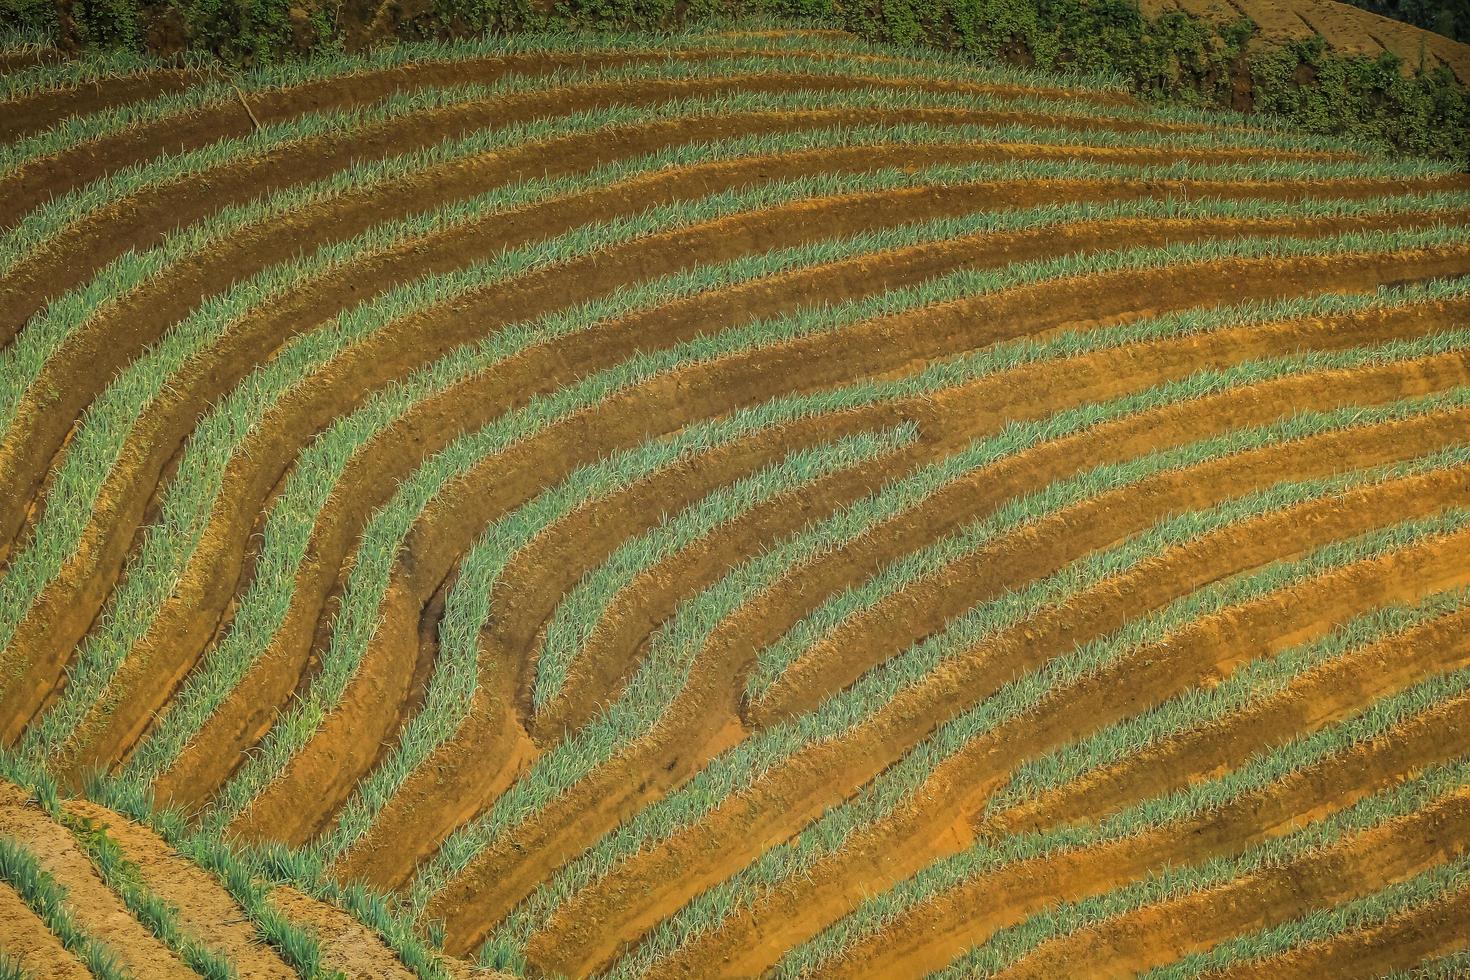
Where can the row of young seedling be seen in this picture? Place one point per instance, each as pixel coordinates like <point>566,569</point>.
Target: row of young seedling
<point>103,434</point>
<point>358,614</point>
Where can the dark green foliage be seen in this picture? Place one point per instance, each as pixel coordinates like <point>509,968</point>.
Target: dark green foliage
<point>22,20</point>
<point>1448,17</point>
<point>1425,113</point>
<point>107,24</point>
<point>1184,58</point>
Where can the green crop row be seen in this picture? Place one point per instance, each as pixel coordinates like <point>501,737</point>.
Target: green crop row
<point>75,130</point>
<point>21,871</point>
<point>1200,706</point>
<point>478,571</point>
<point>853,706</point>
<point>1437,968</point>
<point>155,568</point>
<point>162,919</point>
<point>739,767</point>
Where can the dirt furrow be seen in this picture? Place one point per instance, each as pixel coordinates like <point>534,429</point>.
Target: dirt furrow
<point>542,369</point>
<point>75,254</point>
<point>744,381</point>
<point>35,112</point>
<point>30,945</point>
<point>206,912</point>
<point>1427,931</point>
<point>451,795</point>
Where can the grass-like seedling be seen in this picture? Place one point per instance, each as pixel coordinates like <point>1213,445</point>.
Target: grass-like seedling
<point>162,919</point>
<point>740,768</point>
<point>462,181</point>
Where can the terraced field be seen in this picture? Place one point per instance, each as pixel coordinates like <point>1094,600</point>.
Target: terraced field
<point>734,504</point>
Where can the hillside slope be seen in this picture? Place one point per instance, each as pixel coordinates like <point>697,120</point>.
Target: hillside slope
<point>724,505</point>
<point>1345,28</point>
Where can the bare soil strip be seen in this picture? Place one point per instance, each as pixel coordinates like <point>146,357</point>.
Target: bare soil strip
<point>353,382</point>
<point>1425,932</point>
<point>576,444</point>
<point>894,727</point>
<point>30,945</point>
<point>207,913</point>
<point>931,934</point>
<point>32,113</point>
